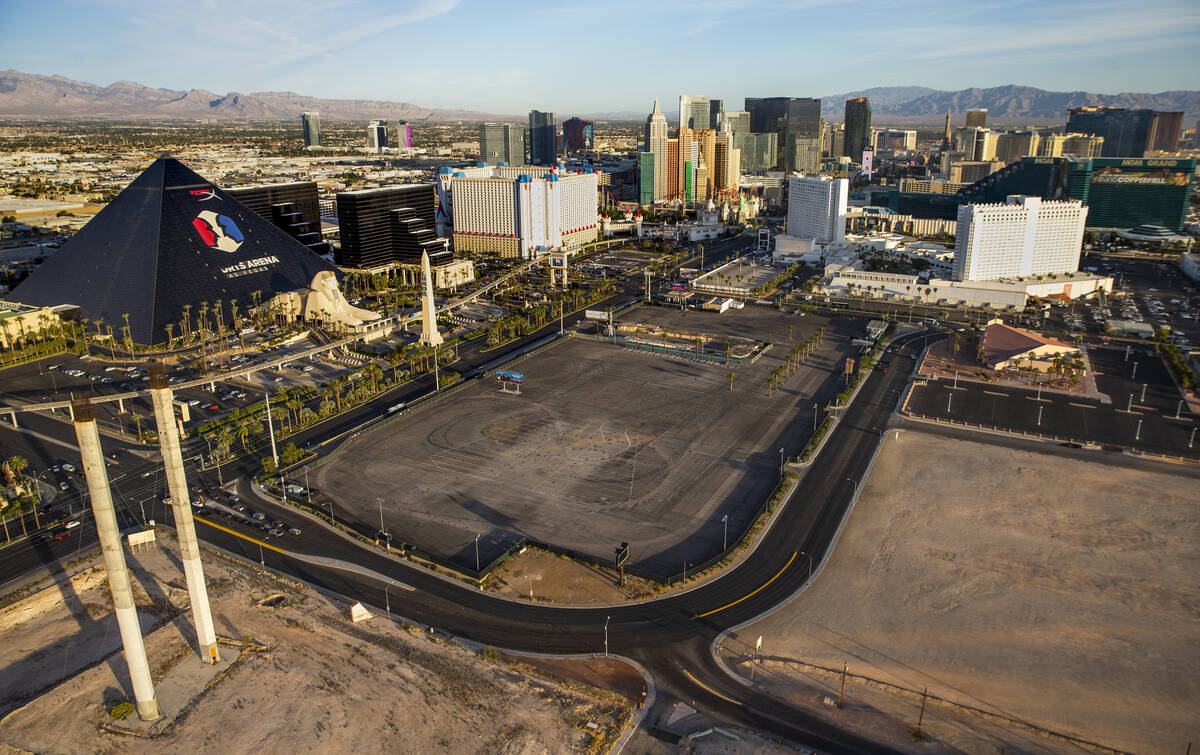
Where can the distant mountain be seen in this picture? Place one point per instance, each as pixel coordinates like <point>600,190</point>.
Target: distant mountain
<point>28,95</point>
<point>1006,105</point>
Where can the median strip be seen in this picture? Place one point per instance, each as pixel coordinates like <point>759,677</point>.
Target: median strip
<point>751,595</point>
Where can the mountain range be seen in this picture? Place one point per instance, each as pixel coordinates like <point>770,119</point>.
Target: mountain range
<point>26,95</point>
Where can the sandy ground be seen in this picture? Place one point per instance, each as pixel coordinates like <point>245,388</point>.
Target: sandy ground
<point>1055,592</point>
<point>321,684</point>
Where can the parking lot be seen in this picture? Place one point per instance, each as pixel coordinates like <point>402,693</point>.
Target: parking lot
<point>1143,410</point>
<point>602,446</point>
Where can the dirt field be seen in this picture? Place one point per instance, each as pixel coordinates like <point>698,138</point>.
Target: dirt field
<point>603,446</point>
<point>321,684</point>
<point>1058,593</point>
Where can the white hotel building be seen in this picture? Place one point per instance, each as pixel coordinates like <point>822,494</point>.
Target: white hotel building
<point>519,211</point>
<point>1022,238</point>
<point>817,208</point>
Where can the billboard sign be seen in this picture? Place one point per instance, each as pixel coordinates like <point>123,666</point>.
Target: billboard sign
<point>595,314</point>
<point>508,376</point>
<point>868,159</point>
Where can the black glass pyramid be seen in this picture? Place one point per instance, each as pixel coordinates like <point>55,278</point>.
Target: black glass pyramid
<point>169,239</point>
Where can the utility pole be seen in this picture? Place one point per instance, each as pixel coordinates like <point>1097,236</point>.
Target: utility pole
<point>921,717</point>
<point>842,691</point>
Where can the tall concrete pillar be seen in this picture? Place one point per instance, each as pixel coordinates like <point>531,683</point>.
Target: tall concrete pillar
<point>88,436</point>
<point>185,529</point>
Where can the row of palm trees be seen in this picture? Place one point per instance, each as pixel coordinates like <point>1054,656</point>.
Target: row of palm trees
<point>798,356</point>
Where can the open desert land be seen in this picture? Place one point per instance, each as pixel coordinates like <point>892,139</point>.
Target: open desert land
<point>1056,597</point>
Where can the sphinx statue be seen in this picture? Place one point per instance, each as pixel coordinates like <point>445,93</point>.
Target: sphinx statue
<point>323,301</point>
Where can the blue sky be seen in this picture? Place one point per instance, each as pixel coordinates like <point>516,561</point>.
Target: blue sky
<point>612,55</point>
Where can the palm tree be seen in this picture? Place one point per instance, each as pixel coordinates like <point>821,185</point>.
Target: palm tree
<point>732,375</point>
<point>137,419</point>
<point>128,337</point>
<point>170,334</point>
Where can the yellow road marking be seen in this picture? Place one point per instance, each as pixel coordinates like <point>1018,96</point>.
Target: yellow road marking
<point>710,690</point>
<point>751,595</point>
<point>238,534</point>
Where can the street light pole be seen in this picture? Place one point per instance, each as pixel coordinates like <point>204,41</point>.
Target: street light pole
<point>476,552</point>
<point>853,482</point>
<point>606,620</point>
<point>781,462</point>
<point>725,537</point>
<point>810,564</point>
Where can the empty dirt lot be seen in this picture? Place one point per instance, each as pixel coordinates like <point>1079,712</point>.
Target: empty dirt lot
<point>314,683</point>
<point>1060,593</point>
<point>603,446</point>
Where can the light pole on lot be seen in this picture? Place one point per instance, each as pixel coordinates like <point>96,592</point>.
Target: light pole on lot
<point>949,399</point>
<point>1143,399</point>
<point>1133,375</point>
<point>382,529</point>
<point>1178,409</point>
<point>1192,438</point>
<point>606,620</point>
<point>477,553</point>
<point>1039,416</point>
<point>1138,435</point>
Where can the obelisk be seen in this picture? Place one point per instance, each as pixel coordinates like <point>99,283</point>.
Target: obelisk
<point>429,332</point>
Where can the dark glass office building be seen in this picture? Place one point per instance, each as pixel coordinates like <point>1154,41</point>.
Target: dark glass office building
<point>1126,132</point>
<point>1119,192</point>
<point>794,119</point>
<point>858,128</point>
<point>291,207</point>
<point>391,224</point>
<point>543,138</point>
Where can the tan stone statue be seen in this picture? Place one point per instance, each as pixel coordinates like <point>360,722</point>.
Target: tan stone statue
<point>323,302</point>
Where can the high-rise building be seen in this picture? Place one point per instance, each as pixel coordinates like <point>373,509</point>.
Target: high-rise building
<point>716,113</point>
<point>310,123</point>
<point>895,139</point>
<point>858,128</point>
<point>377,136</point>
<point>293,208</point>
<point>390,224</point>
<point>946,135</point>
<point>1059,145</point>
<point>739,122</point>
<point>694,112</point>
<point>645,178</point>
<point>1023,237</point>
<point>656,142</point>
<point>977,118</point>
<point>1127,133</point>
<point>727,164</point>
<point>578,135</point>
<point>501,143</point>
<point>1164,131</point>
<point>543,138</point>
<point>403,134</point>
<point>978,144</point>
<point>817,208</point>
<point>797,121</point>
<point>759,151</point>
<point>1013,145</point>
<point>521,211</point>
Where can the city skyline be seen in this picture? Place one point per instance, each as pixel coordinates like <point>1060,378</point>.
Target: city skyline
<point>1061,46</point>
